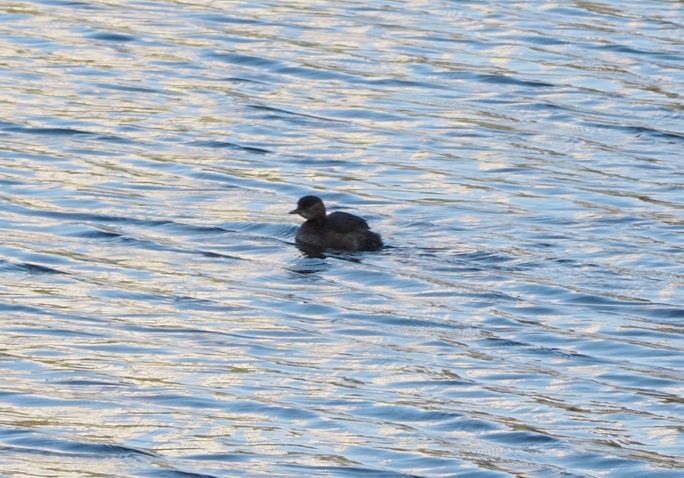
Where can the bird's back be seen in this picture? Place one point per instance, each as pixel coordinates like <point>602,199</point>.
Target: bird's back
<point>345,222</point>
<point>340,230</point>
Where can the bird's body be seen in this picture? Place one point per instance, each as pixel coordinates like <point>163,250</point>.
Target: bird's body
<point>339,230</point>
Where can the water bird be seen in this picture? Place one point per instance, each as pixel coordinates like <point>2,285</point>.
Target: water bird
<point>339,230</point>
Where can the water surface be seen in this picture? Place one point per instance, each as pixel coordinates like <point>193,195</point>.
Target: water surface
<point>522,160</point>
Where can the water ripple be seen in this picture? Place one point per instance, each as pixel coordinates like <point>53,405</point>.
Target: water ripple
<point>523,165</point>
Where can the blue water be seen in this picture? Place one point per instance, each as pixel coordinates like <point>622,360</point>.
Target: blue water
<point>523,162</point>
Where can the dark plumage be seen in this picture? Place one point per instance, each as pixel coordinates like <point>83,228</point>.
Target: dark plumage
<point>339,230</point>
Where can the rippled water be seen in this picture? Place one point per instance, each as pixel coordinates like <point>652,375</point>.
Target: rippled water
<point>523,161</point>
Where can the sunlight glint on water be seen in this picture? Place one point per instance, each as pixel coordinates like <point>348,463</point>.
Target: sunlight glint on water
<point>522,162</point>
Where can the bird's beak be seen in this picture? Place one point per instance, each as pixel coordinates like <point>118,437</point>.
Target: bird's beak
<point>295,211</point>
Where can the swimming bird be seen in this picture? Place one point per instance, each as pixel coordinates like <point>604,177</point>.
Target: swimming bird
<point>339,230</point>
